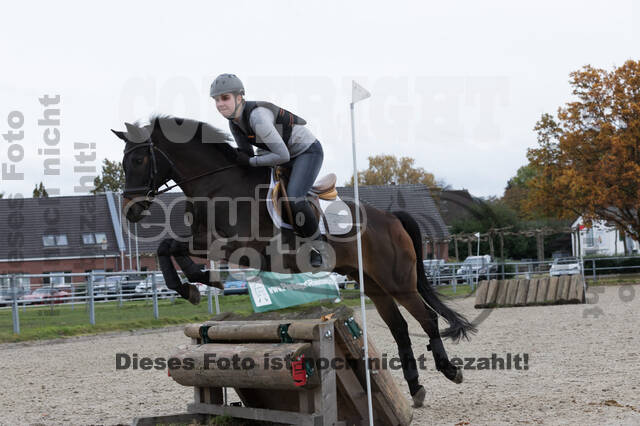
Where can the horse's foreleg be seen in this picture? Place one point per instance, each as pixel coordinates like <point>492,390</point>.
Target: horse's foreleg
<point>195,273</point>
<point>171,278</point>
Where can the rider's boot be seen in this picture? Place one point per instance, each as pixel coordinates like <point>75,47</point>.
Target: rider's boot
<point>306,226</point>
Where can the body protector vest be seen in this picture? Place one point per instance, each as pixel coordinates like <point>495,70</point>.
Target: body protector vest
<point>284,118</point>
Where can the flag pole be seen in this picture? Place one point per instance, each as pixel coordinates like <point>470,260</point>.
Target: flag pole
<point>358,93</point>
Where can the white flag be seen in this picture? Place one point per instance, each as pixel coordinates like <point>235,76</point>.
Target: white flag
<point>358,93</point>
<point>477,234</point>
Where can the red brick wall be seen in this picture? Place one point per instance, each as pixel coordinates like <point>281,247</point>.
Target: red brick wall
<point>73,265</point>
<point>441,250</point>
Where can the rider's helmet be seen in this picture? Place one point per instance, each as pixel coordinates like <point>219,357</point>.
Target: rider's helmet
<point>226,83</point>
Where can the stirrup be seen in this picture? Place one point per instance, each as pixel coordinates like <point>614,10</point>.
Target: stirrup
<point>315,258</point>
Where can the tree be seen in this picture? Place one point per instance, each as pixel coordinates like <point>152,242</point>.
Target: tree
<point>517,191</point>
<point>39,191</point>
<point>588,158</point>
<point>112,178</point>
<point>387,170</point>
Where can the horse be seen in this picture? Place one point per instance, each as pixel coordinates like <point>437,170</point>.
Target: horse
<point>199,159</point>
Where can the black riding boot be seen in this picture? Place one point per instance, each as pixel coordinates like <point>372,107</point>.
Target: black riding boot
<point>306,225</point>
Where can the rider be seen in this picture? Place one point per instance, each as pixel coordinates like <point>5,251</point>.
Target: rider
<point>282,140</point>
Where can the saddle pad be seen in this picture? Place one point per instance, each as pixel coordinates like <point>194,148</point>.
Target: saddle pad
<point>336,212</point>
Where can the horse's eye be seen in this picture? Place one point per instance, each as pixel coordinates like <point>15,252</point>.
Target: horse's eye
<point>137,161</point>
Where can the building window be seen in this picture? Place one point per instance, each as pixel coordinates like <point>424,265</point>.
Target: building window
<point>88,239</point>
<point>57,280</point>
<point>101,237</point>
<point>590,240</point>
<point>54,240</point>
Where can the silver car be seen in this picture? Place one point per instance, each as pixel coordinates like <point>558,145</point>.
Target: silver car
<point>565,266</point>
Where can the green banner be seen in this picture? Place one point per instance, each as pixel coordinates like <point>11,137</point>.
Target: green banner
<point>270,291</point>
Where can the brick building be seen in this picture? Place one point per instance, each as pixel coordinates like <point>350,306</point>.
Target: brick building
<point>86,233</point>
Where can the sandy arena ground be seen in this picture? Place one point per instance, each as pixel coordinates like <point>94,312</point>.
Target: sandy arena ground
<point>581,370</point>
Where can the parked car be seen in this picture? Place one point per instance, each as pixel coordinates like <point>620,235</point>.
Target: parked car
<point>46,295</point>
<point>146,286</point>
<point>105,286</point>
<point>565,266</point>
<point>434,268</point>
<point>6,296</point>
<point>236,287</point>
<point>481,266</point>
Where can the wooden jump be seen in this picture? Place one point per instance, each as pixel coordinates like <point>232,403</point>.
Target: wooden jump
<point>320,396</point>
<point>530,292</point>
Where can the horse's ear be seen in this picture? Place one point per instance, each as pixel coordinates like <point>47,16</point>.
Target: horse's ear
<point>136,134</point>
<point>119,135</point>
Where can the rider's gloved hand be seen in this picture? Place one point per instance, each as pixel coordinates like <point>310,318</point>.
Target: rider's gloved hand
<point>242,158</point>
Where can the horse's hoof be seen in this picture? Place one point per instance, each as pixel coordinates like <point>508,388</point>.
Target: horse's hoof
<point>458,378</point>
<point>418,398</point>
<point>216,284</point>
<point>194,294</point>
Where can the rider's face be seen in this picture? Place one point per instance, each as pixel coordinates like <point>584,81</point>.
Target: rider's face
<point>226,103</point>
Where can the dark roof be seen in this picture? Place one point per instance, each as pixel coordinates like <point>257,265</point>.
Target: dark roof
<point>455,205</point>
<point>25,221</point>
<point>412,198</point>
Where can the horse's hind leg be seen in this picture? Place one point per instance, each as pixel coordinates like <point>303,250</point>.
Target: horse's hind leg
<point>428,320</point>
<point>391,315</point>
<point>171,278</point>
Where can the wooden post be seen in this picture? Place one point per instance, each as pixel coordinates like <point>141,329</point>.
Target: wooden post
<point>532,291</point>
<point>552,290</point>
<point>492,293</point>
<point>455,246</point>
<point>543,285</point>
<point>491,251</point>
<point>540,245</point>
<point>521,292</point>
<point>503,285</point>
<point>481,294</point>
<point>512,289</point>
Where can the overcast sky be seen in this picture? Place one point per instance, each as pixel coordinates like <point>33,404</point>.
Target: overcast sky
<point>456,85</point>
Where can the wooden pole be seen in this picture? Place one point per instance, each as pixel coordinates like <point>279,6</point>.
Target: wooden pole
<point>455,247</point>
<point>491,250</point>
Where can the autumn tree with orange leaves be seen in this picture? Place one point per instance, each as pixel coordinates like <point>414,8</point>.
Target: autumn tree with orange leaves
<point>588,157</point>
<point>387,169</point>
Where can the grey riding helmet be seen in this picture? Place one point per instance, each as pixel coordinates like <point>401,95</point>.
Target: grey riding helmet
<point>226,83</point>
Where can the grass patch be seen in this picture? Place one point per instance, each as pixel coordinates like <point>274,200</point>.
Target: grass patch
<point>462,290</point>
<point>63,320</point>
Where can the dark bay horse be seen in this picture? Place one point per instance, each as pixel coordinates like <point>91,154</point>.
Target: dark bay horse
<point>199,159</point>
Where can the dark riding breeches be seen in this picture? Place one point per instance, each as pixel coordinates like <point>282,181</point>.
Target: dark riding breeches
<point>304,171</point>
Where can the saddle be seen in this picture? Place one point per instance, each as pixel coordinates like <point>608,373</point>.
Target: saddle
<point>323,189</point>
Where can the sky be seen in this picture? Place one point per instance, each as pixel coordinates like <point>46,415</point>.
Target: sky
<point>458,86</point>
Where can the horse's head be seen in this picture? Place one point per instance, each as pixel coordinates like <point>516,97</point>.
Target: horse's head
<point>146,168</point>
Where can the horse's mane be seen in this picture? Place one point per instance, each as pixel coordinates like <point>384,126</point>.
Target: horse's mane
<point>214,138</point>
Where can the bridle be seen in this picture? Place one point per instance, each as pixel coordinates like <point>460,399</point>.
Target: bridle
<point>151,188</point>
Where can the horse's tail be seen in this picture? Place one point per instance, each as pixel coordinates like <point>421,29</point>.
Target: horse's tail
<point>459,326</point>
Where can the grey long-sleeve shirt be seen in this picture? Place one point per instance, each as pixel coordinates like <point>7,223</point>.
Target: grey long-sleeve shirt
<point>262,121</point>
